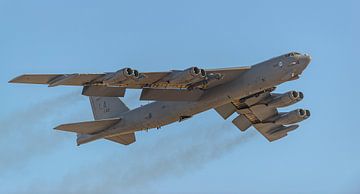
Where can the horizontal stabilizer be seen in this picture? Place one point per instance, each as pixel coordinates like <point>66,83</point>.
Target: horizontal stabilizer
<point>171,94</point>
<point>123,139</point>
<point>88,127</point>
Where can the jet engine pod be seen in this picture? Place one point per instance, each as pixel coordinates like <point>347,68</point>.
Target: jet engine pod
<point>187,76</point>
<point>292,117</point>
<point>120,76</point>
<point>286,99</point>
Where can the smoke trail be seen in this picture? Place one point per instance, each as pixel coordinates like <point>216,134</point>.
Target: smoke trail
<point>27,133</point>
<point>36,113</point>
<point>175,155</point>
<point>178,162</point>
<point>175,158</point>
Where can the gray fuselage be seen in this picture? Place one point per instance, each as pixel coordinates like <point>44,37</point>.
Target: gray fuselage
<point>260,77</point>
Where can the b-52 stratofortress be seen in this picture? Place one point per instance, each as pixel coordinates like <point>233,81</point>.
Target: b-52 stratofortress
<point>181,94</point>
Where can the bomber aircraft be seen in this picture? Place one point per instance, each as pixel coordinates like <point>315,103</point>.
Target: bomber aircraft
<point>181,94</point>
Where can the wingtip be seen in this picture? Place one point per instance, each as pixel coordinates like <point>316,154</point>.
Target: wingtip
<point>57,127</point>
<point>13,80</point>
<point>17,78</point>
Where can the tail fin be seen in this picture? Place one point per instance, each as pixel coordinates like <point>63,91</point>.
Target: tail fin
<point>107,107</point>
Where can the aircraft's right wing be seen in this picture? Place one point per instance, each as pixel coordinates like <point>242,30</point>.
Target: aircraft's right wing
<point>57,79</point>
<point>113,84</point>
<point>260,111</point>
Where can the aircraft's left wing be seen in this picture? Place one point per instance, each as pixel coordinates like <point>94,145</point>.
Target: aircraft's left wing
<point>260,111</point>
<point>263,118</point>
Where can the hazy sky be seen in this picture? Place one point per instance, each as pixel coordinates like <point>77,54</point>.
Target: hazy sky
<point>204,154</point>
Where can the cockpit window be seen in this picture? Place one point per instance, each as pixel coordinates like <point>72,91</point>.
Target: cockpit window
<point>292,54</point>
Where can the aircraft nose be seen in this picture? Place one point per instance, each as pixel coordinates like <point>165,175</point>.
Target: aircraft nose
<point>306,59</point>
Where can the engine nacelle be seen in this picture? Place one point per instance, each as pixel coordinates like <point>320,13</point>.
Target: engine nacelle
<point>286,99</point>
<point>190,75</point>
<point>120,76</point>
<point>292,117</point>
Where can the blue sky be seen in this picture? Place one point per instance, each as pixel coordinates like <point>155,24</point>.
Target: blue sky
<point>202,155</point>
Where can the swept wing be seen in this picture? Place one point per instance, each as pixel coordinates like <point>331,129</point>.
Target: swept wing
<point>159,80</point>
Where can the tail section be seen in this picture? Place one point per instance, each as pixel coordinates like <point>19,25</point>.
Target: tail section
<point>107,111</point>
<point>89,130</point>
<point>107,107</point>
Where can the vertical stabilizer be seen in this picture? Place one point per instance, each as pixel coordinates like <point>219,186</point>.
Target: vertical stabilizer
<point>107,107</point>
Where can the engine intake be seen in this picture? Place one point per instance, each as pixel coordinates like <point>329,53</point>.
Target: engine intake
<point>120,76</point>
<point>292,117</point>
<point>187,76</point>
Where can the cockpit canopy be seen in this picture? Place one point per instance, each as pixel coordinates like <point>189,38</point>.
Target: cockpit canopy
<point>292,54</point>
